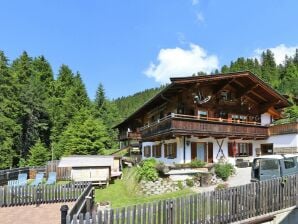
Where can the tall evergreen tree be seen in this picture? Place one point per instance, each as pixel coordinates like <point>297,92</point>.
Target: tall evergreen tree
<point>38,155</point>
<point>84,135</point>
<point>9,113</point>
<point>269,69</point>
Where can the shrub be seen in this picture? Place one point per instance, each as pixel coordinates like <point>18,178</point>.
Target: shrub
<point>222,186</point>
<point>224,170</point>
<point>189,182</point>
<point>197,164</point>
<point>180,184</point>
<point>147,170</point>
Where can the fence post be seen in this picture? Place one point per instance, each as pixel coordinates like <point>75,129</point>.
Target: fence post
<point>88,203</point>
<point>64,210</point>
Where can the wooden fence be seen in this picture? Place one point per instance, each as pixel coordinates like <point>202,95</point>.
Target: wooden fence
<point>222,206</point>
<point>63,173</point>
<point>83,203</point>
<point>25,195</point>
<point>12,174</point>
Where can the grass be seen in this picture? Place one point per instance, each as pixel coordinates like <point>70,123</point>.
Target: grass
<point>124,192</point>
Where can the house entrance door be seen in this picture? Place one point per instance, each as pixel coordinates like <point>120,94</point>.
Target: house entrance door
<point>201,154</point>
<point>199,151</point>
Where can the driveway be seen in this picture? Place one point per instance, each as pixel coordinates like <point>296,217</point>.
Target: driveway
<point>241,177</point>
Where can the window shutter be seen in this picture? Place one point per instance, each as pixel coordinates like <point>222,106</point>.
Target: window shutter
<point>250,149</point>
<point>238,149</point>
<point>230,149</point>
<point>153,151</point>
<point>174,150</point>
<point>165,150</point>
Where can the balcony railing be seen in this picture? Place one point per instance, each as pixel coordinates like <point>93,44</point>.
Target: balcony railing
<point>280,129</point>
<point>130,135</point>
<point>193,125</point>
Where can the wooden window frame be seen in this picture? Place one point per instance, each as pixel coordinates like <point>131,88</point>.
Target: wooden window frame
<point>170,150</point>
<point>156,151</point>
<point>147,151</point>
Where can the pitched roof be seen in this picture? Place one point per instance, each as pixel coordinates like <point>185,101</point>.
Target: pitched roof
<point>86,161</point>
<point>179,82</point>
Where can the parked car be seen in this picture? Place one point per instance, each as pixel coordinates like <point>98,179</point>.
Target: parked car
<point>273,166</point>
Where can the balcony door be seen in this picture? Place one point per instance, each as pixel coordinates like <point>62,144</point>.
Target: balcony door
<point>198,151</point>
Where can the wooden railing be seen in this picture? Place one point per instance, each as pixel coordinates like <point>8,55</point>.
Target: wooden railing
<point>279,129</point>
<point>83,203</point>
<point>222,206</point>
<point>130,135</point>
<point>208,126</point>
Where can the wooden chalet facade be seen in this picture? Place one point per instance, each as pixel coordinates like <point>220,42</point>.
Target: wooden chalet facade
<point>205,117</point>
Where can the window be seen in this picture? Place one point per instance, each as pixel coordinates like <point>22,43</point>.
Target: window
<point>289,163</point>
<point>239,118</point>
<point>269,164</point>
<point>202,114</point>
<point>225,95</point>
<point>170,150</point>
<point>147,151</point>
<point>156,151</point>
<point>243,149</point>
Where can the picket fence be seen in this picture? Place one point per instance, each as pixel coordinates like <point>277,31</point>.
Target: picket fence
<point>221,206</point>
<point>25,195</point>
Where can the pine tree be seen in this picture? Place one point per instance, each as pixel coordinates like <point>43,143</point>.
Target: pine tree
<point>84,135</point>
<point>38,155</point>
<point>9,113</point>
<point>269,69</point>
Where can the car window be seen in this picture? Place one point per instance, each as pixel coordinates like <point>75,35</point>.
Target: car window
<point>289,163</point>
<point>269,164</point>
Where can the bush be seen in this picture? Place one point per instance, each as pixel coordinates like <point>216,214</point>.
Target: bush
<point>147,170</point>
<point>189,182</point>
<point>222,186</point>
<point>197,164</point>
<point>224,170</point>
<point>180,184</point>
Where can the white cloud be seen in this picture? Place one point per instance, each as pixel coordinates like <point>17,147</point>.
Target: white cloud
<point>174,62</point>
<point>194,2</point>
<point>200,17</point>
<point>279,52</point>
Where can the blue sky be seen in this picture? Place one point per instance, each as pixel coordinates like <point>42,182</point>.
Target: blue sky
<point>132,45</point>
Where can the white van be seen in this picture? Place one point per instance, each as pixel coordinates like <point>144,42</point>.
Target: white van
<point>273,166</point>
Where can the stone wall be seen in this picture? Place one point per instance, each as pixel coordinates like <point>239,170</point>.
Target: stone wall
<point>162,186</point>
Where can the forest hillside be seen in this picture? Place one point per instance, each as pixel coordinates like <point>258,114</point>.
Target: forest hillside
<point>42,117</point>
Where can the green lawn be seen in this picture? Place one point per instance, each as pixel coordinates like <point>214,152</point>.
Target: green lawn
<point>123,193</point>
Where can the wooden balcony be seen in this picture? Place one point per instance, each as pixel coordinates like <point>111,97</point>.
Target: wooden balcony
<point>177,124</point>
<point>130,135</point>
<point>281,129</point>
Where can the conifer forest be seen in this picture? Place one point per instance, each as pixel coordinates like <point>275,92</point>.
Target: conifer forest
<point>45,115</point>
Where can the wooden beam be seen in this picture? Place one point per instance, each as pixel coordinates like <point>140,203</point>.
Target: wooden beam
<point>225,84</point>
<point>219,137</point>
<point>247,90</point>
<point>258,95</point>
<point>248,138</point>
<point>239,83</point>
<point>234,137</point>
